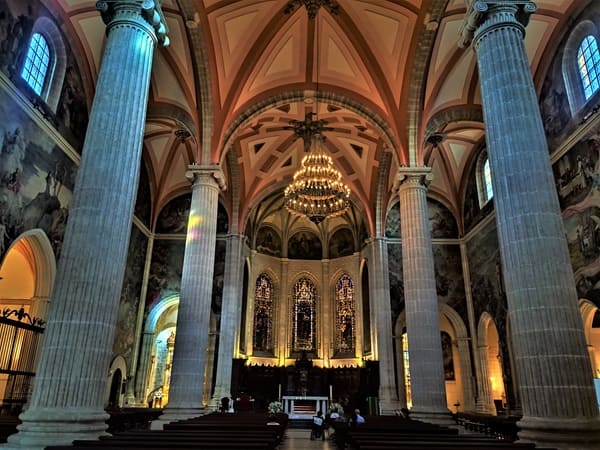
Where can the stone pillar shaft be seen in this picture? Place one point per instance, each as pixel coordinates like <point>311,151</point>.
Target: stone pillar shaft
<point>428,388</point>
<point>193,317</point>
<point>68,397</point>
<point>381,314</point>
<point>230,314</point>
<point>555,383</point>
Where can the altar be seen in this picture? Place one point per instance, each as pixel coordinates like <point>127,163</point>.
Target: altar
<point>304,407</point>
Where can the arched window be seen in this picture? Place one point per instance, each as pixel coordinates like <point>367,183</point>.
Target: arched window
<point>263,315</point>
<point>484,179</point>
<point>37,63</point>
<point>345,317</point>
<point>588,62</point>
<point>304,318</point>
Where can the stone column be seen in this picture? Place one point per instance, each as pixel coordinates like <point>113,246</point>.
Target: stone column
<point>230,314</point>
<point>381,314</point>
<point>428,385</point>
<point>189,355</point>
<point>464,358</point>
<point>483,399</point>
<point>132,397</point>
<point>143,371</point>
<point>68,396</point>
<point>555,384</point>
<point>400,371</point>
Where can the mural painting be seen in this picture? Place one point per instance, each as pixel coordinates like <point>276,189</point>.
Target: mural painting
<point>489,295</point>
<point>173,217</point>
<point>448,358</point>
<point>130,295</point>
<point>165,270</point>
<point>396,280</point>
<point>441,221</point>
<point>450,285</point>
<point>304,245</point>
<point>392,222</point>
<point>554,104</point>
<point>222,220</point>
<point>17,19</point>
<point>143,202</point>
<point>218,276</point>
<point>577,176</point>
<point>341,243</point>
<point>268,242</point>
<point>36,178</point>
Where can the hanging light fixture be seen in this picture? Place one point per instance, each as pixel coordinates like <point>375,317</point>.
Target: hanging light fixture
<point>317,190</point>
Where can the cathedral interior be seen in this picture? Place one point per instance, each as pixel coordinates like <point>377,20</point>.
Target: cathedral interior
<point>152,255</point>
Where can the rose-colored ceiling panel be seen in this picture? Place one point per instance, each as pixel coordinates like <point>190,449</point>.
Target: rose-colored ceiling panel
<point>455,85</point>
<point>91,31</point>
<point>387,29</point>
<point>340,64</point>
<point>235,29</point>
<point>180,53</point>
<point>166,86</point>
<point>283,61</point>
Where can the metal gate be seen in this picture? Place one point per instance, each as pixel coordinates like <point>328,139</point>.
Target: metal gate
<point>20,335</point>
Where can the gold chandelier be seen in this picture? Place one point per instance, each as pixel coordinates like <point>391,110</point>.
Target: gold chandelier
<point>317,190</point>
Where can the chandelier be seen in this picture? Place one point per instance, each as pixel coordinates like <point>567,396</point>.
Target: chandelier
<point>317,190</point>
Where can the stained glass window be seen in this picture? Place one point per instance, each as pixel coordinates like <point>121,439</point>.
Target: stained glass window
<point>263,315</point>
<point>487,180</point>
<point>588,61</point>
<point>345,317</point>
<point>36,64</point>
<point>405,359</point>
<point>304,320</point>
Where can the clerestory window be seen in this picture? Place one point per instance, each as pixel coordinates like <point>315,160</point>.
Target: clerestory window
<point>37,62</point>
<point>588,62</point>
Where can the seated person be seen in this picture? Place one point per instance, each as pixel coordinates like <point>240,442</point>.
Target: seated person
<point>317,427</point>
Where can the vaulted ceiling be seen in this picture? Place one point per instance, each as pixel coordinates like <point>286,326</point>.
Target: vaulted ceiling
<point>387,76</point>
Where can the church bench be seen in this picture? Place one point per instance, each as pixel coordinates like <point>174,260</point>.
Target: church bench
<point>179,446</point>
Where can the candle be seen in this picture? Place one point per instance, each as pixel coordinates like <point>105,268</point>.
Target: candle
<point>279,396</point>
<point>330,393</point>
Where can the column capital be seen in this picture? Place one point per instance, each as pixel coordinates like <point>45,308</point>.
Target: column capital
<point>412,176</point>
<point>196,173</point>
<point>494,14</point>
<point>146,14</point>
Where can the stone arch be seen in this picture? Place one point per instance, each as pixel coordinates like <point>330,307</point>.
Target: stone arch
<point>491,369</point>
<point>117,366</point>
<point>36,246</point>
<point>588,312</point>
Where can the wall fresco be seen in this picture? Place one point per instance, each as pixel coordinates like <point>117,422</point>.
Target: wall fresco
<point>173,217</point>
<point>441,221</point>
<point>450,285</point>
<point>130,295</point>
<point>143,201</point>
<point>304,245</point>
<point>165,270</point>
<point>268,242</point>
<point>341,243</point>
<point>17,18</point>
<point>36,178</point>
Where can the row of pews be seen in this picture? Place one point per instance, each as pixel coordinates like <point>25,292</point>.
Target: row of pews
<point>390,432</point>
<point>239,431</point>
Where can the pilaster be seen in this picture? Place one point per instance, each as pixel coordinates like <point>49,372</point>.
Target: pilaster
<point>428,388</point>
<point>230,314</point>
<point>381,314</point>
<point>68,396</point>
<point>555,383</point>
<point>189,355</point>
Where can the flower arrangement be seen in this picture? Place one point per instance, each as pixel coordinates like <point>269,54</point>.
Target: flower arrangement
<point>336,407</point>
<point>275,407</point>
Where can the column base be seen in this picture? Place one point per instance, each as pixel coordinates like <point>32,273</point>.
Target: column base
<point>174,414</point>
<point>389,407</point>
<point>441,417</point>
<point>562,434</point>
<point>42,427</point>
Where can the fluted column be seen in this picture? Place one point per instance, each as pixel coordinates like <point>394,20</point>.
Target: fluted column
<point>230,314</point>
<point>193,317</point>
<point>555,383</point>
<point>133,396</point>
<point>428,385</point>
<point>143,371</point>
<point>67,401</point>
<point>464,358</point>
<point>381,313</point>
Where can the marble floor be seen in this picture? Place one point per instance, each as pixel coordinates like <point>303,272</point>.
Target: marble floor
<point>299,439</point>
